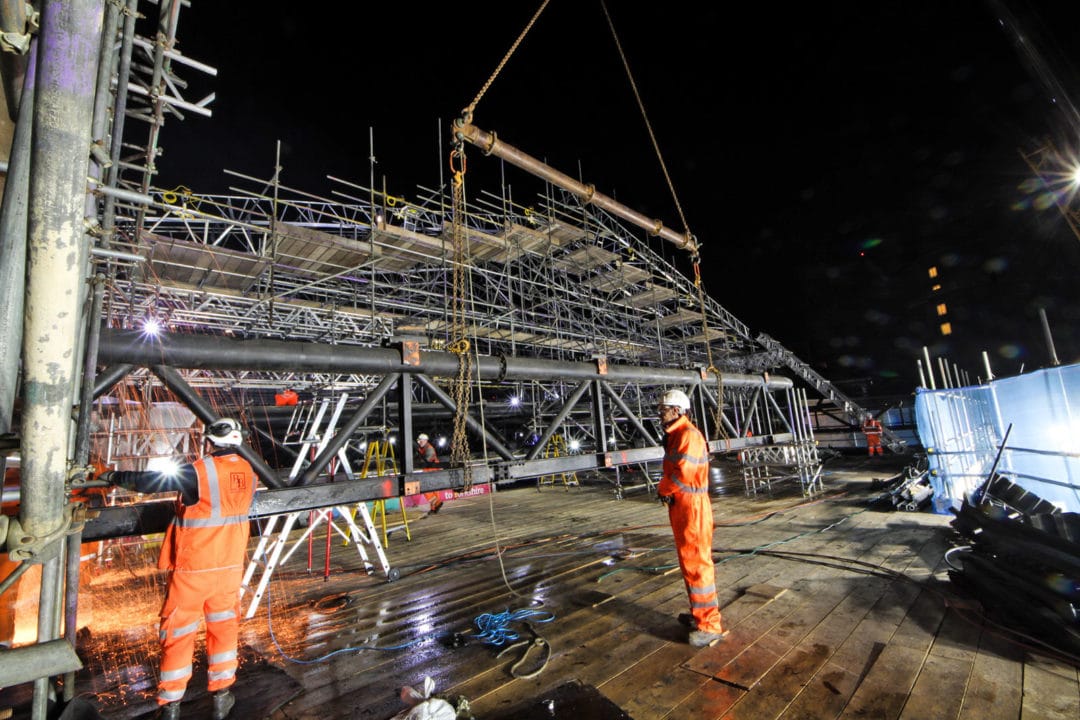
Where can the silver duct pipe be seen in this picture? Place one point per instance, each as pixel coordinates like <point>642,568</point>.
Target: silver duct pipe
<point>219,353</point>
<point>13,248</point>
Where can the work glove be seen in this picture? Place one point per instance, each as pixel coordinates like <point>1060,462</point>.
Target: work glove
<point>666,499</point>
<point>109,476</point>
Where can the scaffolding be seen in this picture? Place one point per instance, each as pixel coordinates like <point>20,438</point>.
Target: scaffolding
<point>345,300</point>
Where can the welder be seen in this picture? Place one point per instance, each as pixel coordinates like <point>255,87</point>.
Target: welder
<point>204,552</point>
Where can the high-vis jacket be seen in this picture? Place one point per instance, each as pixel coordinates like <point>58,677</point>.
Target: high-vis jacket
<point>213,533</point>
<point>685,486</point>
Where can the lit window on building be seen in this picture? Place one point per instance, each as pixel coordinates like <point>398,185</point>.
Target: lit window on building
<point>946,328</point>
<point>935,287</point>
<point>942,310</point>
<point>933,272</point>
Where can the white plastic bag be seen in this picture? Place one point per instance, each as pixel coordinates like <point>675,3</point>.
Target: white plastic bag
<point>424,707</point>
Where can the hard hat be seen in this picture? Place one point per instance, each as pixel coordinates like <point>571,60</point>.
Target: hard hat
<point>676,398</point>
<point>422,437</point>
<point>224,433</point>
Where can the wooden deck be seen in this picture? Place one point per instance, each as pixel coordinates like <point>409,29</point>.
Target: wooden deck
<point>837,607</point>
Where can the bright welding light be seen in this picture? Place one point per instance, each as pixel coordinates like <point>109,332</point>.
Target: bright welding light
<point>1076,176</point>
<point>441,442</point>
<point>515,401</point>
<point>575,445</point>
<point>167,466</point>
<point>151,327</point>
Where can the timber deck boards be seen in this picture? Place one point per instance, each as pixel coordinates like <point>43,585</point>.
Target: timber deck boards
<point>837,608</point>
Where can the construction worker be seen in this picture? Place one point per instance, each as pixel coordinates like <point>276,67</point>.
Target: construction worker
<point>204,551</point>
<point>871,427</point>
<point>684,488</point>
<point>429,459</point>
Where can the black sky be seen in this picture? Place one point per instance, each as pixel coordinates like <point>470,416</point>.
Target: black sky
<point>826,155</point>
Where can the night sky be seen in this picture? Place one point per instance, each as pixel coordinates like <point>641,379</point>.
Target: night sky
<point>826,155</point>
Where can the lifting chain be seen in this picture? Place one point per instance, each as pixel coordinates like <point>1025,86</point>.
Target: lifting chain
<point>459,343</point>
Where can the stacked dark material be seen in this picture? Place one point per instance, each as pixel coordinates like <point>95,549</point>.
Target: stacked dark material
<point>1023,561</point>
<point>910,489</point>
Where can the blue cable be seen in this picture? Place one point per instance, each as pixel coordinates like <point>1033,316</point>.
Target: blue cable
<point>494,627</point>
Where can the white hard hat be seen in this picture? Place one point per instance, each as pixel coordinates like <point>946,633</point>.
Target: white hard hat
<point>422,437</point>
<point>224,432</point>
<point>676,398</point>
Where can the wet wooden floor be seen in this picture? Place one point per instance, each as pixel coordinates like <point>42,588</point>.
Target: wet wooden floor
<point>837,608</point>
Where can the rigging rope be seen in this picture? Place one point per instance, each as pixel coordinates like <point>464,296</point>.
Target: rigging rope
<point>718,428</point>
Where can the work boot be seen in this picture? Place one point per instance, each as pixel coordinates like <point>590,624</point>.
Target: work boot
<point>223,703</point>
<point>169,711</point>
<point>436,506</point>
<point>704,638</point>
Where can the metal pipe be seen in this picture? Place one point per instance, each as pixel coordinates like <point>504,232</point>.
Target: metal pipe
<point>63,107</point>
<point>557,420</point>
<point>172,380</point>
<point>630,415</point>
<point>929,367</point>
<point>123,74</point>
<point>474,425</point>
<point>219,353</point>
<point>13,219</point>
<point>110,376</point>
<point>1048,337</point>
<point>48,627</point>
<point>986,364</point>
<point>465,130</point>
<point>30,662</point>
<point>15,67</point>
<point>86,391</point>
<point>71,603</point>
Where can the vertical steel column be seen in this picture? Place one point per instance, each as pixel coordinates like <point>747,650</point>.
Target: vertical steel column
<point>404,393</point>
<point>13,247</point>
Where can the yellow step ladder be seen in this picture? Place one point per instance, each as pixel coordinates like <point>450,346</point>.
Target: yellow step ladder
<point>381,453</point>
<point>556,447</point>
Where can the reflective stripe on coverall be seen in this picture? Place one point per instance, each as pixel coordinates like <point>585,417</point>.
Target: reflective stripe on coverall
<point>686,479</point>
<point>205,548</point>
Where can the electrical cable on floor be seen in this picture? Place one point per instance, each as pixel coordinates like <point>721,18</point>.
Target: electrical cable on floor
<point>322,658</point>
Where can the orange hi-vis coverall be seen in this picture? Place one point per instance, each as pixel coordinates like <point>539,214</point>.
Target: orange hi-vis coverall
<point>429,459</point>
<point>686,480</point>
<point>204,549</point>
<point>872,428</point>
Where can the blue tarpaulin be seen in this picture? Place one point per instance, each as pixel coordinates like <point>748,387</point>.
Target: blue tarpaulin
<point>963,429</point>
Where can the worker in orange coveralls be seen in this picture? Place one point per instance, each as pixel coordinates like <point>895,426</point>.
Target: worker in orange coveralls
<point>429,459</point>
<point>204,551</point>
<point>684,488</point>
<point>871,427</point>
